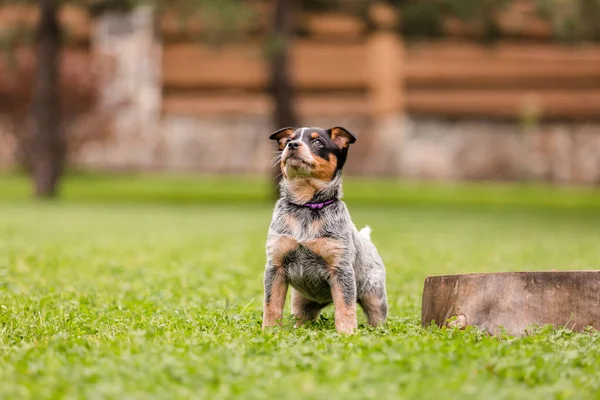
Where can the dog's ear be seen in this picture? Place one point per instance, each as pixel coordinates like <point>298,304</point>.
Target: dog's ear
<point>341,137</point>
<point>282,135</point>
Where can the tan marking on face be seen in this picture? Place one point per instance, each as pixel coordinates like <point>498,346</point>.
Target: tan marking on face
<point>340,138</point>
<point>282,138</point>
<point>328,249</point>
<point>325,168</point>
<point>293,136</point>
<point>282,142</point>
<point>371,304</point>
<point>314,135</point>
<point>282,166</point>
<point>345,314</point>
<point>273,310</point>
<point>278,247</point>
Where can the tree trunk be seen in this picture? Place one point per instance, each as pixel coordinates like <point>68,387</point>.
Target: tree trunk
<point>48,144</point>
<point>513,301</point>
<point>281,87</point>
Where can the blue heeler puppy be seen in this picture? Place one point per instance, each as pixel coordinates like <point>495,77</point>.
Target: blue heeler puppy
<point>313,245</point>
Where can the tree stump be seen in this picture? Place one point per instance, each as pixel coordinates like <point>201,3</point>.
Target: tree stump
<point>513,301</point>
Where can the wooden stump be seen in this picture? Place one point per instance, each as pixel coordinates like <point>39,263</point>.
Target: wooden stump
<point>513,301</point>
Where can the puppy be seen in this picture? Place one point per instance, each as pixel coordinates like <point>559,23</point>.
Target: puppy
<point>312,244</point>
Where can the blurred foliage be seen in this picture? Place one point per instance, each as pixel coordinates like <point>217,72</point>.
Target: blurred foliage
<point>226,20</point>
<point>223,21</point>
<point>572,20</point>
<point>355,7</point>
<point>483,12</point>
<point>10,37</point>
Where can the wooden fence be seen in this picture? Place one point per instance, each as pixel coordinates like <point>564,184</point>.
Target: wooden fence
<point>448,79</point>
<point>337,69</point>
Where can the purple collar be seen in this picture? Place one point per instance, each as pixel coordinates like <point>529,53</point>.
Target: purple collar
<point>318,206</point>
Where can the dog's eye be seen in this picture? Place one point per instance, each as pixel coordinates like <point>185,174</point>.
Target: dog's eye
<point>318,143</point>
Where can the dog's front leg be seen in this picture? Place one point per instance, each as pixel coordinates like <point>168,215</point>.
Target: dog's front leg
<point>341,279</point>
<point>275,281</point>
<point>343,292</point>
<point>276,287</point>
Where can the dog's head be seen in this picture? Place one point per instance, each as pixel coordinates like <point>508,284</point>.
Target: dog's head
<point>313,152</point>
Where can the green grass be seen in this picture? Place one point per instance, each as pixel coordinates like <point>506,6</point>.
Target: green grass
<point>166,189</point>
<point>150,287</point>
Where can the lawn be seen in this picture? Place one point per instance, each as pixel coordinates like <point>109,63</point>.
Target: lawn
<point>151,287</point>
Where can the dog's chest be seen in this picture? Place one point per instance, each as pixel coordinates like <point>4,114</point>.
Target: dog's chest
<point>308,273</point>
<point>302,228</point>
<point>298,244</point>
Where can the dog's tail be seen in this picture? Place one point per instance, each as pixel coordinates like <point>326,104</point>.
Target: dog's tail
<point>366,232</point>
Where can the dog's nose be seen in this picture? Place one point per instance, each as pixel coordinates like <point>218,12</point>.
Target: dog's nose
<point>293,145</point>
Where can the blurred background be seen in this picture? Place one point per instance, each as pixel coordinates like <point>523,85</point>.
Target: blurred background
<point>442,90</point>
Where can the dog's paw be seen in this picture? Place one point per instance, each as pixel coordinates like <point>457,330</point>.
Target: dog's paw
<point>271,324</point>
<point>346,330</point>
<point>346,327</point>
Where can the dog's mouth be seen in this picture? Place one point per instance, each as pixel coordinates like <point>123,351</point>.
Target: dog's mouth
<point>295,159</point>
<point>296,164</point>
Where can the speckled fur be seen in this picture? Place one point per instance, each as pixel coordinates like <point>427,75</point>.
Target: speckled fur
<point>322,255</point>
